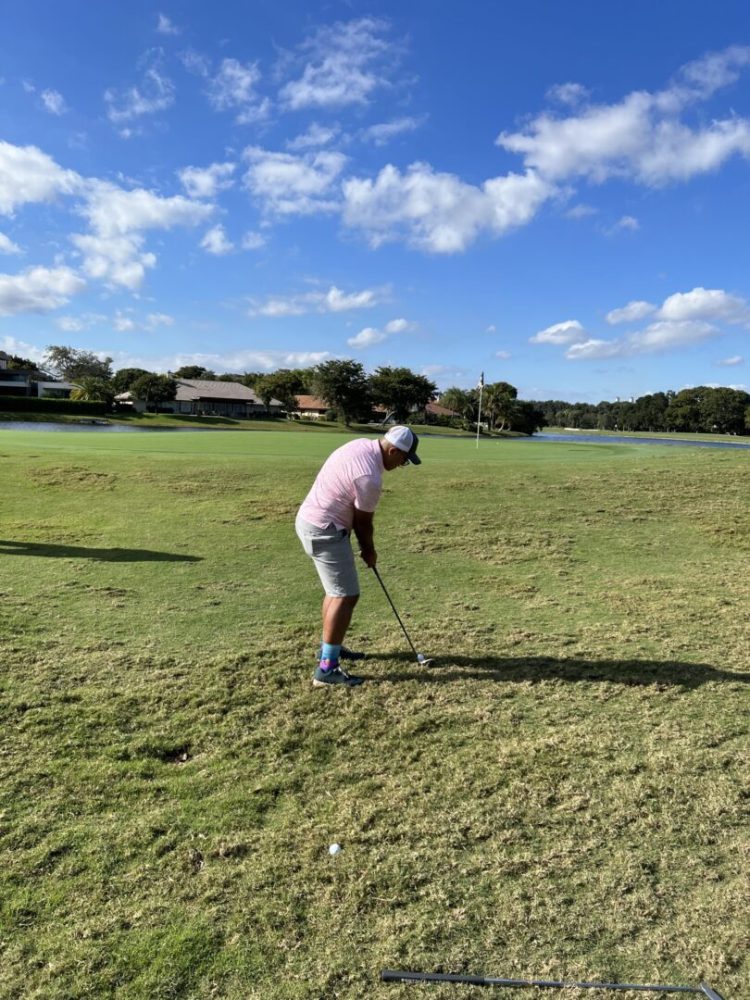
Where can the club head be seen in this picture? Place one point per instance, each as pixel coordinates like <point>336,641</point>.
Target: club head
<point>424,661</point>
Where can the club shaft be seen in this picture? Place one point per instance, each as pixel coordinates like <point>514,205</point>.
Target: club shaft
<point>393,606</point>
<point>390,976</point>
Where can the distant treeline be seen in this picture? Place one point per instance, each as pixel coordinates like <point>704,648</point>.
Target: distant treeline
<point>702,409</point>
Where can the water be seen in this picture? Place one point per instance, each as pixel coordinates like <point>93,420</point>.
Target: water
<point>33,425</point>
<point>584,438</point>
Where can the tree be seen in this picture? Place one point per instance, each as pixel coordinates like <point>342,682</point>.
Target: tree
<point>683,413</point>
<point>284,385</point>
<point>461,402</point>
<point>526,418</point>
<point>73,365</point>
<point>723,410</point>
<point>497,403</point>
<point>154,389</point>
<point>195,371</point>
<point>344,386</point>
<point>264,390</point>
<point>26,364</point>
<point>123,379</point>
<point>94,390</point>
<point>401,391</point>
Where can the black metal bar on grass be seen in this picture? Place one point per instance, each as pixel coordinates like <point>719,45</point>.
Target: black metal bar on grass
<point>391,976</point>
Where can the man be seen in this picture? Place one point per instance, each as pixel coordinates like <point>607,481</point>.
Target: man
<point>343,499</point>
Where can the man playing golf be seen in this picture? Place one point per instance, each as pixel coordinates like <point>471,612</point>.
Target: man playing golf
<point>343,499</point>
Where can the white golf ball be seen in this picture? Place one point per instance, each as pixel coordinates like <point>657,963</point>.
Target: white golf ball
<point>420,658</point>
<point>334,849</point>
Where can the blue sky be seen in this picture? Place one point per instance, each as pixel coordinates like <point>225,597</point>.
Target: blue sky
<point>553,193</point>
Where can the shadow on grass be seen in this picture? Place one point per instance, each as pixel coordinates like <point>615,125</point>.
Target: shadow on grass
<point>99,555</point>
<point>660,673</point>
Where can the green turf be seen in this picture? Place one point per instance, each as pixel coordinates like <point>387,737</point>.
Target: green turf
<point>564,795</point>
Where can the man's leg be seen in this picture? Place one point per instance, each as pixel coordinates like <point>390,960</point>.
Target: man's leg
<point>337,614</point>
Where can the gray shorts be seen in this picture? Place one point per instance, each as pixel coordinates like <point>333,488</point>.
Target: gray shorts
<point>331,550</point>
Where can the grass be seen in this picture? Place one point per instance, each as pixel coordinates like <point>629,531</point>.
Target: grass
<point>564,795</point>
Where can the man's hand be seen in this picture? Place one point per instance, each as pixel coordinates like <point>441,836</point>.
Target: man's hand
<point>370,557</point>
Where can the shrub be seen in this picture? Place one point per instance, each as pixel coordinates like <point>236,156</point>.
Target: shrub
<point>43,404</point>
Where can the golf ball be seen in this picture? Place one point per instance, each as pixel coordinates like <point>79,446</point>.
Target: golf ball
<point>420,658</point>
<point>334,849</point>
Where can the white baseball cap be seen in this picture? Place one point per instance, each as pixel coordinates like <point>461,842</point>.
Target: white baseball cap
<point>406,440</point>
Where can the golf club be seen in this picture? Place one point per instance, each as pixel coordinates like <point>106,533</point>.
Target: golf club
<point>390,976</point>
<point>421,660</point>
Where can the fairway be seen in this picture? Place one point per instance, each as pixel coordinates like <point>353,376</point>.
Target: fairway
<point>564,795</point>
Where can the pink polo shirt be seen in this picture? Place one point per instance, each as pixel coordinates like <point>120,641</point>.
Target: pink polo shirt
<point>352,477</point>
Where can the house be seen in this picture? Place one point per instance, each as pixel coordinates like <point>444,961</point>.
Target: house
<point>29,382</point>
<point>438,410</point>
<point>311,407</point>
<point>209,397</point>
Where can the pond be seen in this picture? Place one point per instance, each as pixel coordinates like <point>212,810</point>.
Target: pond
<point>584,438</point>
<point>43,425</point>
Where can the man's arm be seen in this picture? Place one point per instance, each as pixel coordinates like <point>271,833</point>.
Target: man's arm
<point>363,529</point>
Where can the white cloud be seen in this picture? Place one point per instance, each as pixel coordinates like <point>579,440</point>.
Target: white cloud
<point>628,223</point>
<point>736,359</point>
<point>630,313</point>
<point>166,27</point>
<point>569,332</point>
<point>196,63</point>
<point>238,361</point>
<point>344,64</point>
<point>215,241</point>
<point>154,320</point>
<point>293,185</point>
<point>29,175</point>
<point>580,211</point>
<point>400,325</point>
<point>332,301</point>
<point>114,250</point>
<point>123,323</point>
<point>439,212</point>
<point>206,182</point>
<point>338,301</point>
<point>76,324</point>
<point>233,87</point>
<point>568,93</point>
<point>7,245</point>
<point>154,93</point>
<point>712,304</point>
<point>315,136</point>
<point>663,335</point>
<point>54,102</point>
<point>503,355</point>
<point>595,349</point>
<point>643,136</point>
<point>117,259</point>
<point>113,211</point>
<point>367,337</point>
<point>38,290</point>
<point>253,241</point>
<point>491,328</point>
<point>371,335</point>
<point>382,133</point>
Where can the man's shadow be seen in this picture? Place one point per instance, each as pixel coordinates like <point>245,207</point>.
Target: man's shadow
<point>534,669</point>
<point>47,550</point>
